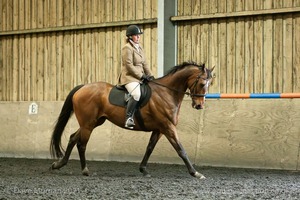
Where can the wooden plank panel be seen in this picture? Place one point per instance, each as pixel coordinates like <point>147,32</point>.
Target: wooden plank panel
<point>147,43</point>
<point>27,65</point>
<point>59,66</point>
<point>240,5</point>
<point>204,39</point>
<point>249,5</point>
<point>240,56</point>
<point>296,54</point>
<point>3,44</point>
<point>154,50</point>
<point>15,13</point>
<point>94,56</point>
<point>67,8</point>
<point>258,54</point>
<point>66,72</point>
<point>40,75</point>
<point>9,68</point>
<point>213,6</point>
<point>287,65</point>
<point>79,12</point>
<point>79,57</point>
<point>87,56</point>
<point>196,41</point>
<point>52,13</point>
<point>109,56</point>
<point>9,16</point>
<point>297,3</point>
<point>21,66</point>
<point>95,11</point>
<point>204,36</point>
<point>268,55</point>
<point>139,9</point>
<point>231,50</point>
<point>240,50</point>
<point>117,54</point>
<point>287,3</point>
<point>102,61</point>
<point>196,6</point>
<point>214,55</point>
<point>230,64</point>
<point>124,14</point>
<point>277,56</point>
<point>2,77</point>
<point>88,13</point>
<point>14,86</point>
<point>1,15</point>
<point>130,11</point>
<point>51,94</point>
<point>222,51</point>
<point>21,52</point>
<point>249,49</point>
<point>154,8</point>
<point>33,65</point>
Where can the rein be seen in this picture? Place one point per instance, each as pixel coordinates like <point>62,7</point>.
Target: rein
<point>186,93</point>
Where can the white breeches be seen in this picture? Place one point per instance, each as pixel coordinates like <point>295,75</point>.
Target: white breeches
<point>134,89</point>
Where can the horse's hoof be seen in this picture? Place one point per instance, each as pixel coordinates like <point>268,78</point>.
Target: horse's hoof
<point>85,172</point>
<point>54,166</point>
<point>145,172</point>
<point>199,175</point>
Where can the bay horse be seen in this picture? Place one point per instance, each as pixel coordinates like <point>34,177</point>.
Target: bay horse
<point>91,106</point>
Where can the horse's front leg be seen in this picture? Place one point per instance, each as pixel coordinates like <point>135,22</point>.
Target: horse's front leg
<point>155,136</point>
<point>173,139</point>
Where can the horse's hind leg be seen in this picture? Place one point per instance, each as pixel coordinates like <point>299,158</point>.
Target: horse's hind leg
<point>81,146</point>
<point>152,142</point>
<point>85,133</point>
<point>64,160</point>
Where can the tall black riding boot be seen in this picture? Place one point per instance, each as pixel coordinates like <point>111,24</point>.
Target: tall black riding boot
<point>130,110</point>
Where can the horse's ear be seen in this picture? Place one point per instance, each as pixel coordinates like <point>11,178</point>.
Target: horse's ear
<point>212,69</point>
<point>202,66</point>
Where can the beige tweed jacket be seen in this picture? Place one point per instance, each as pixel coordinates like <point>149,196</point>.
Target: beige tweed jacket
<point>134,65</point>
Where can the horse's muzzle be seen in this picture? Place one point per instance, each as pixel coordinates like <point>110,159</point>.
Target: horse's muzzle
<point>197,106</point>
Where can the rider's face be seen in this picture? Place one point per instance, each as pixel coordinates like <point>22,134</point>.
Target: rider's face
<point>136,38</point>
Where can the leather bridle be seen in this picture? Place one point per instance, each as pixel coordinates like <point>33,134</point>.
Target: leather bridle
<point>192,89</point>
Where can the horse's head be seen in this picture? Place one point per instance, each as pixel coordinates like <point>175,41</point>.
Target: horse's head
<point>198,86</point>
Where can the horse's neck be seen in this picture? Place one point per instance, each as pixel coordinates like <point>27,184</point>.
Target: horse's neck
<point>177,81</point>
<point>177,84</point>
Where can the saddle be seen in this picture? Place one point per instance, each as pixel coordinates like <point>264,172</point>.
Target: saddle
<point>119,96</point>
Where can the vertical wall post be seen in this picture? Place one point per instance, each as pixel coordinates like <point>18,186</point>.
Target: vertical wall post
<point>166,30</point>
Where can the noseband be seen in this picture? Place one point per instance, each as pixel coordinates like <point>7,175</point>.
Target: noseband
<point>193,88</point>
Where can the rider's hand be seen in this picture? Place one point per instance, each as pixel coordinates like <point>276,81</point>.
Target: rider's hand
<point>147,78</point>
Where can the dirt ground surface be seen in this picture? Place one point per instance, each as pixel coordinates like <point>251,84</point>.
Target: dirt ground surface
<point>32,179</point>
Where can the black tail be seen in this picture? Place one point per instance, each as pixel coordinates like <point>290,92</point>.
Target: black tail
<point>56,149</point>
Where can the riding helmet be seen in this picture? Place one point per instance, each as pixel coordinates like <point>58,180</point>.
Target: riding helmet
<point>133,30</point>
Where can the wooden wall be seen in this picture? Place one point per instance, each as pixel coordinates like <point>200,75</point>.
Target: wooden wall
<point>253,44</point>
<point>48,47</point>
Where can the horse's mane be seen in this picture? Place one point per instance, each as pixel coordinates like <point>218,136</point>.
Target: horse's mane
<point>183,65</point>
